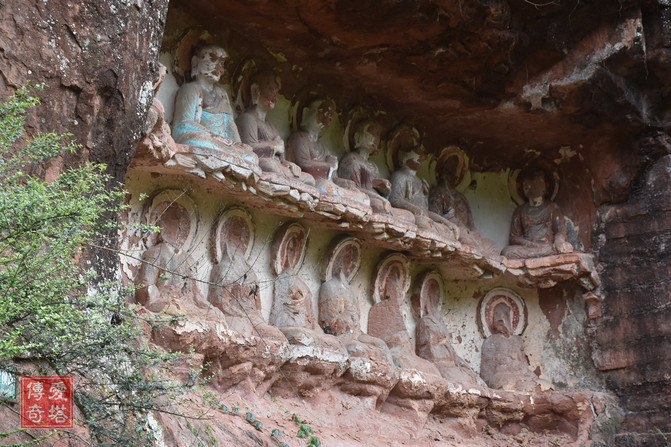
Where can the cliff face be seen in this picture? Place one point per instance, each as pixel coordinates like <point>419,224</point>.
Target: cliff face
<point>98,61</point>
<point>585,85</point>
<point>633,336</point>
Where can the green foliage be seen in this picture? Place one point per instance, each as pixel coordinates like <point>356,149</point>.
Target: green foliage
<point>305,431</point>
<point>50,315</point>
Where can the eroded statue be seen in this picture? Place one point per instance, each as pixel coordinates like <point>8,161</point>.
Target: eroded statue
<point>166,279</point>
<point>433,339</point>
<point>292,299</point>
<point>259,133</point>
<point>537,228</point>
<point>234,286</point>
<point>316,360</point>
<point>446,201</point>
<point>372,371</point>
<point>203,115</point>
<point>503,363</point>
<point>304,147</point>
<point>409,192</point>
<point>385,320</point>
<point>356,170</point>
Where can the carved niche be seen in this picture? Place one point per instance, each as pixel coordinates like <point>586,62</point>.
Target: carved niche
<point>166,278</point>
<point>292,299</point>
<point>432,338</point>
<point>338,300</point>
<point>504,364</point>
<point>537,228</point>
<point>234,286</point>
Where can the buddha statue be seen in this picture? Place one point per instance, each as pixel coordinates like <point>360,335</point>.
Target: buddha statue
<point>259,133</point>
<point>433,339</point>
<point>234,286</point>
<point>304,147</point>
<point>503,363</point>
<point>537,228</point>
<point>357,171</point>
<point>203,116</point>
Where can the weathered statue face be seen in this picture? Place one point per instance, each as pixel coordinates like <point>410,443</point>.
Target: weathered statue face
<point>433,299</point>
<point>293,248</point>
<point>534,187</point>
<point>502,320</point>
<point>346,261</point>
<point>449,173</point>
<point>265,89</point>
<point>174,221</point>
<point>236,237</point>
<point>367,140</point>
<point>393,284</point>
<point>318,116</point>
<point>210,63</point>
<point>412,160</point>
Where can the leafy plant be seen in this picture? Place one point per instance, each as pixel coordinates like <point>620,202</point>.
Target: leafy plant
<point>52,317</point>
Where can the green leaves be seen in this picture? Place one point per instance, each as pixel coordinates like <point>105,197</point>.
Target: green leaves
<point>50,313</point>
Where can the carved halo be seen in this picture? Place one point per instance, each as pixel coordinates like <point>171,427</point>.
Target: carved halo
<point>425,282</point>
<point>289,233</point>
<point>339,257</point>
<point>518,310</point>
<point>221,227</point>
<point>190,40</point>
<point>188,224</point>
<point>402,138</point>
<point>463,174</point>
<point>355,115</point>
<point>241,80</point>
<point>384,267</point>
<point>516,176</point>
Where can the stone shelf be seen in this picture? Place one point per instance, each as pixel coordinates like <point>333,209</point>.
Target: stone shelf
<point>330,207</point>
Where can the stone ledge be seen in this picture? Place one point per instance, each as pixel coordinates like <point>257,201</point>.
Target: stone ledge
<point>336,208</point>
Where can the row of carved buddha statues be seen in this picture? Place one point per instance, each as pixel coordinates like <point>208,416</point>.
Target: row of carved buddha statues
<point>167,283</point>
<point>204,118</point>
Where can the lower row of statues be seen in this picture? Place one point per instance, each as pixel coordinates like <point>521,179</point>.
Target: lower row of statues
<point>204,118</point>
<point>167,276</point>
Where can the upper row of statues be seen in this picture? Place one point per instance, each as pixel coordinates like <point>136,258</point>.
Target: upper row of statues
<point>204,118</point>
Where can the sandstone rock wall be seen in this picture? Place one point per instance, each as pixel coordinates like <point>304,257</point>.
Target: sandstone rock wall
<point>98,61</point>
<point>634,335</point>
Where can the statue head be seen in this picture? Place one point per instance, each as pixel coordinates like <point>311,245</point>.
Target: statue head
<point>411,159</point>
<point>317,116</point>
<point>367,137</point>
<point>393,288</point>
<point>174,221</point>
<point>501,320</point>
<point>208,63</point>
<point>236,237</point>
<point>449,173</point>
<point>264,88</point>
<point>534,187</point>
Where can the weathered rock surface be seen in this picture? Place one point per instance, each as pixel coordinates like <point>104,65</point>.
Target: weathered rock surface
<point>634,334</point>
<point>577,82</point>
